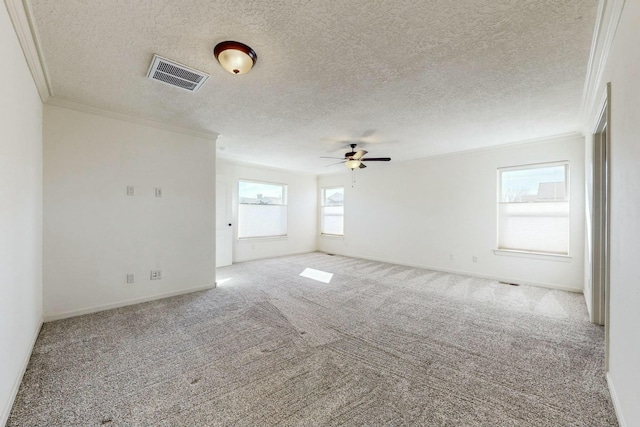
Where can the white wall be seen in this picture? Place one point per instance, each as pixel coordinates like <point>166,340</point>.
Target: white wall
<point>419,212</point>
<point>301,211</point>
<point>20,214</point>
<point>623,71</point>
<point>94,234</point>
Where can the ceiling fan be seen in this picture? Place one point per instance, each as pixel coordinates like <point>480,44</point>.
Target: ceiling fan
<point>353,159</point>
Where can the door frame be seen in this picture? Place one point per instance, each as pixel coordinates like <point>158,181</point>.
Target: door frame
<point>600,247</point>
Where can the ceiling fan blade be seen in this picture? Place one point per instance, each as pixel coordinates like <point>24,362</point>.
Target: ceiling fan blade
<point>339,158</point>
<point>362,166</point>
<point>333,164</point>
<point>376,159</point>
<point>359,154</point>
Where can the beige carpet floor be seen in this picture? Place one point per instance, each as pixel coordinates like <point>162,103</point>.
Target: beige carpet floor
<point>380,345</point>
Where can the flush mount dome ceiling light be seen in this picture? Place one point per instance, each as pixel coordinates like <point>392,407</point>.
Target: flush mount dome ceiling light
<point>235,57</point>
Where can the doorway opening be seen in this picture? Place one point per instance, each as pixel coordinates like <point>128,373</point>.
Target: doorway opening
<point>600,222</point>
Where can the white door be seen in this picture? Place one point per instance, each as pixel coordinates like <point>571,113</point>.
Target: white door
<point>224,226</point>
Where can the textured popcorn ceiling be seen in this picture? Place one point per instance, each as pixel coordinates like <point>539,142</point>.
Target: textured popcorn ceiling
<point>406,78</point>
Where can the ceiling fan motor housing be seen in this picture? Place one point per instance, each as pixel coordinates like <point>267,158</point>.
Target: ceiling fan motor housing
<point>352,152</point>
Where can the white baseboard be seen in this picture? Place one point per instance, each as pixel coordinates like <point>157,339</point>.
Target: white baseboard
<point>469,273</point>
<point>95,309</point>
<point>615,401</point>
<point>4,416</point>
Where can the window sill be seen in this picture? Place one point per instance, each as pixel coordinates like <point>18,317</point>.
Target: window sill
<point>533,255</point>
<point>332,236</point>
<point>259,239</point>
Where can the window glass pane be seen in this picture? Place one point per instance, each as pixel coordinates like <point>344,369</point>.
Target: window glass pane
<point>333,196</point>
<point>261,193</point>
<point>534,184</point>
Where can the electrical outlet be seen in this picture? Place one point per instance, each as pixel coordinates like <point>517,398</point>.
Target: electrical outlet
<point>474,258</point>
<point>130,190</point>
<point>158,192</point>
<point>129,278</point>
<point>156,274</point>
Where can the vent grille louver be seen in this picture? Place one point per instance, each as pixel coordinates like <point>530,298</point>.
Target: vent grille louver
<point>166,78</point>
<point>174,74</point>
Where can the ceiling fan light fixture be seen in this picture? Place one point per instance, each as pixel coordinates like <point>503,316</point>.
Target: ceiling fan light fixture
<point>353,164</point>
<point>235,57</point>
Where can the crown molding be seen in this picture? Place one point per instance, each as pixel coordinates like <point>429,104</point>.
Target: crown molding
<point>23,24</point>
<point>606,25</point>
<point>562,137</point>
<point>58,101</point>
<point>239,163</point>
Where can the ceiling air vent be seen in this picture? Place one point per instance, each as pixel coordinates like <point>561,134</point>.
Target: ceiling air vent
<point>175,74</point>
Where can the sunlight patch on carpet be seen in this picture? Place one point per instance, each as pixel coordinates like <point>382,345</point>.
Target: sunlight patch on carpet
<point>220,282</point>
<point>320,276</point>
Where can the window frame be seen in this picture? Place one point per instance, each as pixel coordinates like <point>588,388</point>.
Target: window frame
<point>322,206</point>
<point>285,204</point>
<point>567,199</point>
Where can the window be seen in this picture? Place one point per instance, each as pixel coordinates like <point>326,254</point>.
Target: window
<point>262,209</point>
<point>533,208</point>
<point>332,211</point>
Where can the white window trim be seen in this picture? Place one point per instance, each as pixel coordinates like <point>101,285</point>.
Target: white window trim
<point>322,193</point>
<point>536,166</point>
<point>533,254</point>
<point>246,239</point>
<point>332,236</point>
<point>286,205</point>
